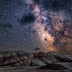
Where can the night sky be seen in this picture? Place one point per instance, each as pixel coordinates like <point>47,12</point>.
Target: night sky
<point>36,25</point>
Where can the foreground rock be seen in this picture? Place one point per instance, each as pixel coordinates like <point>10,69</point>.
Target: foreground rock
<point>50,60</point>
<point>53,67</point>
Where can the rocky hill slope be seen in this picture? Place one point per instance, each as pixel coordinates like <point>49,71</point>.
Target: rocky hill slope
<point>48,61</point>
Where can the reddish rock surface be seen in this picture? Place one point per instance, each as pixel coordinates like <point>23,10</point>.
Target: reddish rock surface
<point>47,61</point>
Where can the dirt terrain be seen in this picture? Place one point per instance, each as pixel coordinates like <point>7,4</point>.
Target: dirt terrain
<point>19,61</point>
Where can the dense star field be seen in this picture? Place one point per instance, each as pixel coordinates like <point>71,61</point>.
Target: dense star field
<point>36,25</point>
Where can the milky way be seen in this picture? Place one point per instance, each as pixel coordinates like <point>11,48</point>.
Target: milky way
<point>29,24</point>
<point>49,25</point>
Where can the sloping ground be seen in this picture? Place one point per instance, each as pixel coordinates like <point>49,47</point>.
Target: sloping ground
<point>31,69</point>
<point>19,60</point>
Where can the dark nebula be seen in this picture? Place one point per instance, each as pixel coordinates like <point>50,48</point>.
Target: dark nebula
<point>27,19</point>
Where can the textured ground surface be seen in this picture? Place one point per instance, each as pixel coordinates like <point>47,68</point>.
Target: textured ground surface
<point>19,61</point>
<point>31,69</point>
